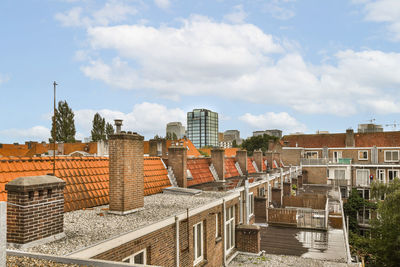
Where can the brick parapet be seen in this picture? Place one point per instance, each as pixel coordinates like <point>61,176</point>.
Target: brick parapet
<point>248,238</point>
<point>177,159</point>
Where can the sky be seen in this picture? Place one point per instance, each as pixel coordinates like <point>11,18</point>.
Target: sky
<point>295,65</point>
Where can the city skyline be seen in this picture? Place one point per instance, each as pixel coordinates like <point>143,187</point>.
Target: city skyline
<point>259,64</point>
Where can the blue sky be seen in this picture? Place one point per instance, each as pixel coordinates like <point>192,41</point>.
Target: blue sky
<point>300,66</point>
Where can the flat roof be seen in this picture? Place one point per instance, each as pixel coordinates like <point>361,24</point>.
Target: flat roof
<point>85,228</point>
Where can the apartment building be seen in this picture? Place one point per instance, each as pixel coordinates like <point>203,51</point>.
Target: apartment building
<point>202,127</point>
<point>348,160</point>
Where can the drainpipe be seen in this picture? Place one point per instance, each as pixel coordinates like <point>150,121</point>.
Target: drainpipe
<point>3,232</point>
<point>223,230</point>
<point>241,207</point>
<point>281,187</point>
<point>177,240</point>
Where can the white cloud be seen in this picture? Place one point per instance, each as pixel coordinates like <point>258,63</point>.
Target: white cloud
<point>280,9</point>
<point>271,120</point>
<point>384,11</point>
<point>111,12</point>
<point>240,61</point>
<point>145,118</point>
<point>237,16</point>
<point>36,133</point>
<point>164,4</point>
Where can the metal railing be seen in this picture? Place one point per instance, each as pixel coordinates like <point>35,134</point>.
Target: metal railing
<point>326,161</point>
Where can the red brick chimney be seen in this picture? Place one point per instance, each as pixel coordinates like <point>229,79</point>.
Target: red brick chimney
<point>350,142</point>
<point>35,210</point>
<point>258,158</point>
<point>177,160</point>
<point>126,171</point>
<point>241,158</point>
<point>218,161</point>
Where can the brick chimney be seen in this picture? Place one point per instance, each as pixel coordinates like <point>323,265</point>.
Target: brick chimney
<point>153,148</point>
<point>241,158</point>
<point>126,172</point>
<point>271,144</point>
<point>258,158</point>
<point>350,142</point>
<point>35,210</point>
<point>218,161</point>
<point>177,160</point>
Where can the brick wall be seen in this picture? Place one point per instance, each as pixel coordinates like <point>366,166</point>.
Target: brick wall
<point>248,238</point>
<point>291,156</point>
<point>287,188</point>
<point>276,196</point>
<point>177,159</point>
<point>314,175</point>
<point>260,208</point>
<point>241,158</point>
<point>126,172</point>
<point>218,160</point>
<point>160,244</point>
<point>40,210</point>
<point>153,151</point>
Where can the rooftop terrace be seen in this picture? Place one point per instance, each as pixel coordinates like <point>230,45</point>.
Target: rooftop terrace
<point>84,228</point>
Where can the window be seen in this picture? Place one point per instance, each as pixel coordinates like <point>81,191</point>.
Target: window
<point>391,156</point>
<point>198,241</point>
<point>138,257</point>
<point>251,204</point>
<point>362,178</point>
<point>311,155</point>
<point>363,154</point>
<point>230,229</point>
<point>337,155</point>
<point>261,191</point>
<point>393,174</point>
<point>381,176</point>
<point>340,174</point>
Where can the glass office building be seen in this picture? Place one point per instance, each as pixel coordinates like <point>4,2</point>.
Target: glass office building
<point>202,127</point>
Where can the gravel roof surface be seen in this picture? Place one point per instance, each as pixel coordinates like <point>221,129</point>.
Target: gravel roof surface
<point>88,227</point>
<point>28,262</point>
<point>283,261</point>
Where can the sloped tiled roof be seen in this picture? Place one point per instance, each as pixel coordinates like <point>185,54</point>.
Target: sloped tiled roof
<point>250,167</point>
<point>264,167</point>
<point>191,149</point>
<point>155,176</point>
<point>199,168</point>
<point>229,152</point>
<point>230,168</point>
<point>11,150</point>
<point>87,178</point>
<point>382,139</point>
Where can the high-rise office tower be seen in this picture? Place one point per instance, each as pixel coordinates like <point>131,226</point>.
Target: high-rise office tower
<point>202,127</point>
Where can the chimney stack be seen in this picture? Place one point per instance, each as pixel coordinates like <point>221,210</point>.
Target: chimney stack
<point>126,171</point>
<point>218,161</point>
<point>177,160</point>
<point>350,142</point>
<point>258,158</point>
<point>241,158</point>
<point>118,124</point>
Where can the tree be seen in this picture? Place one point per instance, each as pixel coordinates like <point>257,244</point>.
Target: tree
<point>174,137</point>
<point>65,124</point>
<point>257,142</point>
<point>109,130</point>
<point>99,128</point>
<point>386,228</point>
<point>234,143</point>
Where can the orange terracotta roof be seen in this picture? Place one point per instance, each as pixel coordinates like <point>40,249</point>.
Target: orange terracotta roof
<point>155,176</point>
<point>264,167</point>
<point>191,149</point>
<point>11,150</point>
<point>231,152</point>
<point>87,178</point>
<point>230,168</point>
<point>206,150</point>
<point>199,168</point>
<point>382,139</point>
<point>250,167</point>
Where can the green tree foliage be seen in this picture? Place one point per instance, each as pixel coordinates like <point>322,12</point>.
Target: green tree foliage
<point>257,142</point>
<point>234,143</point>
<point>65,123</point>
<point>171,136</point>
<point>109,130</point>
<point>386,228</point>
<point>99,128</point>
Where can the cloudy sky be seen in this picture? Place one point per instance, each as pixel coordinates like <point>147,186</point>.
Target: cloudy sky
<point>300,66</point>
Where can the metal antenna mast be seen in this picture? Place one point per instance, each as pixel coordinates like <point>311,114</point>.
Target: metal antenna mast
<point>54,130</point>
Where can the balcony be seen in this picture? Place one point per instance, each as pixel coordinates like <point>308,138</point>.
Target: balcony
<point>326,161</point>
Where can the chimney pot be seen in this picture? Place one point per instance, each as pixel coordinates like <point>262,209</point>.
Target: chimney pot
<point>118,124</point>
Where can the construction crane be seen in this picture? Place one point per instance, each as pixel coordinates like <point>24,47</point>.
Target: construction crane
<point>372,120</point>
<point>393,125</point>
